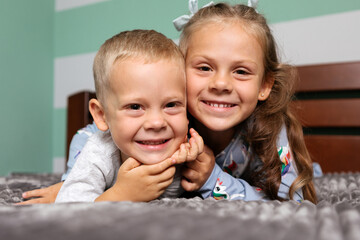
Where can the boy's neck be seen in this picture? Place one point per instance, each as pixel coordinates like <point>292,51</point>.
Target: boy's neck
<point>123,157</point>
<point>217,141</point>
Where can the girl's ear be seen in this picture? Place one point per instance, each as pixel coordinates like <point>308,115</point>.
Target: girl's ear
<point>98,114</point>
<point>265,88</point>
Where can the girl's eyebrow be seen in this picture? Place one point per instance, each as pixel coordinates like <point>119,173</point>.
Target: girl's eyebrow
<point>247,62</point>
<point>235,62</point>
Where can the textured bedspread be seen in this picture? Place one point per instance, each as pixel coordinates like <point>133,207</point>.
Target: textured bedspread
<point>336,216</point>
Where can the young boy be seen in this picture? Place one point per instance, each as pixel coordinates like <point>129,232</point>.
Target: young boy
<point>141,112</point>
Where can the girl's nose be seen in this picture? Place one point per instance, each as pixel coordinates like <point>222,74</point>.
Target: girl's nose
<point>155,122</point>
<point>221,83</point>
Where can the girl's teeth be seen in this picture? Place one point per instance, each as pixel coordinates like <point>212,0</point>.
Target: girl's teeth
<point>220,105</point>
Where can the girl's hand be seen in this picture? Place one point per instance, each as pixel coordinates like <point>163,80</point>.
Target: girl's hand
<point>137,182</point>
<point>196,143</point>
<point>189,151</point>
<point>43,195</point>
<point>196,173</point>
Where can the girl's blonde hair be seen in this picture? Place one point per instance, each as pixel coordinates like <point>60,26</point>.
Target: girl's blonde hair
<point>148,45</point>
<point>265,123</point>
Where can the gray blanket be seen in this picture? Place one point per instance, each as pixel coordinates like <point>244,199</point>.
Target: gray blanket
<point>336,216</point>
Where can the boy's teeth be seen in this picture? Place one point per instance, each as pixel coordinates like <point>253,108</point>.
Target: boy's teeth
<point>153,142</point>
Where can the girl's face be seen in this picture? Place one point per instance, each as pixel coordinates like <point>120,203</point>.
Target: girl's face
<point>225,72</point>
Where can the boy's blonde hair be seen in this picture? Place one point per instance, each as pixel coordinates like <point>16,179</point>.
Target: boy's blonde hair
<point>149,45</point>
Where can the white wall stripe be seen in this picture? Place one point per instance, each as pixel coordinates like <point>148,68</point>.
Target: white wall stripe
<point>61,5</point>
<point>72,74</point>
<point>325,39</point>
<point>58,165</point>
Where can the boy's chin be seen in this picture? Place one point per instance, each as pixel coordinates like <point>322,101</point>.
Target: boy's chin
<point>151,159</point>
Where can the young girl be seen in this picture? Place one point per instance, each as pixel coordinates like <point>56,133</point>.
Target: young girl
<point>238,99</point>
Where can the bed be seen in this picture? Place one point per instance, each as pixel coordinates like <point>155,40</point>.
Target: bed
<point>332,137</point>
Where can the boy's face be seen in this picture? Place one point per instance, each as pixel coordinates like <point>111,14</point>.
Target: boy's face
<point>146,108</point>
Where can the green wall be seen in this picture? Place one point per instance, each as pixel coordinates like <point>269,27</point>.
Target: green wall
<point>287,10</point>
<point>82,30</point>
<point>26,75</point>
<point>33,35</point>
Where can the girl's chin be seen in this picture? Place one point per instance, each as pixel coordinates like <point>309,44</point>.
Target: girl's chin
<point>218,126</point>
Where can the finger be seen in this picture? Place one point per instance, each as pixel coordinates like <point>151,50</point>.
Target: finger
<point>182,154</point>
<point>190,174</point>
<point>188,186</point>
<point>164,176</point>
<point>199,140</point>
<point>33,193</point>
<point>161,166</point>
<point>193,151</point>
<point>32,201</point>
<point>197,145</point>
<point>130,164</point>
<point>163,185</point>
<point>160,188</point>
<point>179,154</point>
<point>175,154</point>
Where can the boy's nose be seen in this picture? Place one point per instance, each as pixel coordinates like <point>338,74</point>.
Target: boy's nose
<point>221,82</point>
<point>155,121</point>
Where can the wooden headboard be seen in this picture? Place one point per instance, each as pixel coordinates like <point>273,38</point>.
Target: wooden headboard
<point>328,106</point>
<point>327,103</point>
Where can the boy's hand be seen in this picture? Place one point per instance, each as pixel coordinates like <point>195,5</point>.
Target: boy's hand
<point>43,195</point>
<point>196,173</point>
<point>136,182</point>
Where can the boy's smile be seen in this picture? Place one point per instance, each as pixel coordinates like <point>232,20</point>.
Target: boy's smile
<point>152,145</point>
<point>146,108</point>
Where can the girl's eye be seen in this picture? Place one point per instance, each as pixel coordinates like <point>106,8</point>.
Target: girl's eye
<point>134,106</point>
<point>204,68</point>
<point>241,72</point>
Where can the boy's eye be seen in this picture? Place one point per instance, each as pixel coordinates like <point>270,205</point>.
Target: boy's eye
<point>171,104</point>
<point>134,106</point>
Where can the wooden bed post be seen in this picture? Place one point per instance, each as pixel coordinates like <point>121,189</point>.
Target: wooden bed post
<point>78,115</point>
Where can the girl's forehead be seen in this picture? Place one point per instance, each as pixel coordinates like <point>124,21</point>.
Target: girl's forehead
<point>216,25</point>
<point>216,31</point>
<point>229,43</point>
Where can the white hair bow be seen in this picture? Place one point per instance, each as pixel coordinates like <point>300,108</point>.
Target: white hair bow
<point>252,3</point>
<point>181,21</point>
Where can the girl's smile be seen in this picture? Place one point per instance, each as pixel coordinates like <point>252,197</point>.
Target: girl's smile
<point>224,75</point>
<point>219,107</point>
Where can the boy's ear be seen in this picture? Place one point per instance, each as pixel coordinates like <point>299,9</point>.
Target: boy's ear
<point>98,114</point>
<point>265,88</point>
